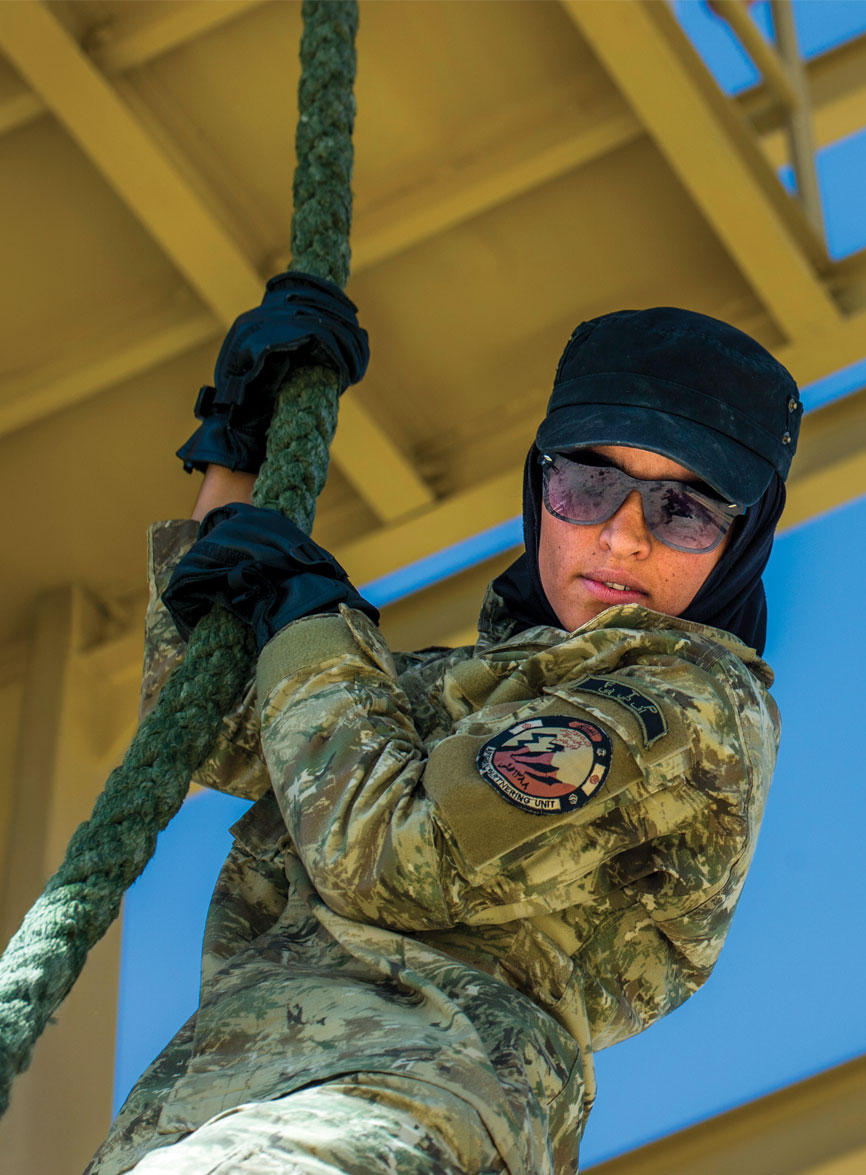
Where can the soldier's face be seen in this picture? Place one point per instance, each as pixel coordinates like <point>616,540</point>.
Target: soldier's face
<point>578,564</point>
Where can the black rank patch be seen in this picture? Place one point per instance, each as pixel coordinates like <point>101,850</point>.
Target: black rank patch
<point>648,715</point>
<point>547,765</point>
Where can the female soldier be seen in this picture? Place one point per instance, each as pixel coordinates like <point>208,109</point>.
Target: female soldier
<point>468,869</point>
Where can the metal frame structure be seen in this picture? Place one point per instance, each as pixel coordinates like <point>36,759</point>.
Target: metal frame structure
<point>600,106</point>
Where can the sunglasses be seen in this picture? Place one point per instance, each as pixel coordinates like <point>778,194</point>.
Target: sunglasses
<point>679,516</point>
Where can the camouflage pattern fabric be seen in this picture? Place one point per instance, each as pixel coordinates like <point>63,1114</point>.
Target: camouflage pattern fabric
<point>365,1124</point>
<point>469,868</point>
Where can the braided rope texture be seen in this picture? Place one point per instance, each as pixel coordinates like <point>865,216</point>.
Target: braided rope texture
<point>109,851</point>
<point>305,415</point>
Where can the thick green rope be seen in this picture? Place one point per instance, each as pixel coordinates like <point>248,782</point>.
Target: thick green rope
<point>108,851</point>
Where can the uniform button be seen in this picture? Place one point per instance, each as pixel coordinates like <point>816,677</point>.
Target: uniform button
<point>793,405</point>
<point>786,438</point>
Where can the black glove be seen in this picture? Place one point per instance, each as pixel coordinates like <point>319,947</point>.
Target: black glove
<point>303,320</point>
<point>262,568</point>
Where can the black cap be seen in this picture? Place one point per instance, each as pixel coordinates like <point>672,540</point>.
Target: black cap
<point>681,384</point>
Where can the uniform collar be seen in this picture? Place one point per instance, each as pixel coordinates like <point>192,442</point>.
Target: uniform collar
<point>497,627</point>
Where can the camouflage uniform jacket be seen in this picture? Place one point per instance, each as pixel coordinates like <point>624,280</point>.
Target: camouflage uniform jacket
<point>475,866</point>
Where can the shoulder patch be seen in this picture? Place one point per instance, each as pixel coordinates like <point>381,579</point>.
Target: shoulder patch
<point>547,765</point>
<point>649,717</point>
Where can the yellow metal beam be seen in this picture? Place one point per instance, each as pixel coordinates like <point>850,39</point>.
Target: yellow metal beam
<point>451,194</point>
<point>837,83</point>
<point>113,667</point>
<point>360,447</point>
<point>712,151</point>
<point>174,214</point>
<point>837,97</point>
<point>392,484</point>
<point>57,780</point>
<point>43,392</point>
<point>557,143</point>
<point>837,87</point>
<point>854,1163</point>
<point>801,143</point>
<point>79,698</point>
<point>822,352</point>
<point>105,129</point>
<point>837,90</point>
<point>762,53</point>
<point>830,466</point>
<point>18,110</point>
<point>815,1127</point>
<point>456,518</point>
<point>46,694</point>
<point>147,31</point>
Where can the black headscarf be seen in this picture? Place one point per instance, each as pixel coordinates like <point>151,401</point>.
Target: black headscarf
<point>731,598</point>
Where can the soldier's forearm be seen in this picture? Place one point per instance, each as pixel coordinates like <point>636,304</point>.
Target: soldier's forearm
<point>221,486</point>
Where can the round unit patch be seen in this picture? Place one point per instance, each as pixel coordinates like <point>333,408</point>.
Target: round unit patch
<point>547,764</point>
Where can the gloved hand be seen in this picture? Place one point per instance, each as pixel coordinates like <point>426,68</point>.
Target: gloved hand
<point>262,568</point>
<point>302,320</point>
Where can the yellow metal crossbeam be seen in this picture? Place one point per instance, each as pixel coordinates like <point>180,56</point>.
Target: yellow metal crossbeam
<point>557,143</point>
<point>447,198</point>
<point>837,99</point>
<point>31,398</point>
<point>121,149</point>
<point>763,54</point>
<point>451,521</point>
<point>711,149</point>
<point>813,1127</point>
<point>180,220</point>
<point>403,222</point>
<point>147,31</point>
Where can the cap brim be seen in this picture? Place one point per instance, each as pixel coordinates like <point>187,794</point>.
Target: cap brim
<point>737,473</point>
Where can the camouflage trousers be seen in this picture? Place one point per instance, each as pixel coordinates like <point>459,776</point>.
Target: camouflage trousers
<point>363,1124</point>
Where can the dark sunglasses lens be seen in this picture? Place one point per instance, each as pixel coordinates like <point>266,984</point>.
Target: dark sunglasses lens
<point>681,519</point>
<point>583,493</point>
<point>589,494</point>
